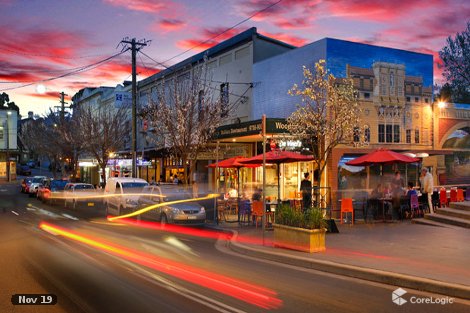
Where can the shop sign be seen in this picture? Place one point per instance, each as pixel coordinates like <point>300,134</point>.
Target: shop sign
<point>122,100</point>
<point>290,144</point>
<point>273,126</point>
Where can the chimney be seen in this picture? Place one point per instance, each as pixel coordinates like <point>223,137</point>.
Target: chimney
<point>30,114</point>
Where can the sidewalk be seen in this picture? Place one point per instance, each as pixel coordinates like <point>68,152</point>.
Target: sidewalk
<point>427,258</point>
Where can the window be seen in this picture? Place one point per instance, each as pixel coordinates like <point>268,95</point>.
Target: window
<point>426,100</point>
<point>381,133</point>
<point>366,95</point>
<point>1,133</point>
<point>416,135</point>
<point>408,136</point>
<point>416,99</point>
<point>225,59</point>
<point>242,53</point>
<point>356,134</point>
<point>366,133</point>
<point>396,133</point>
<point>408,99</point>
<point>200,104</point>
<point>154,95</point>
<point>388,133</point>
<point>224,98</point>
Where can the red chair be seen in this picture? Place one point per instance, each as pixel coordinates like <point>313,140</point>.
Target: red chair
<point>347,207</point>
<point>453,195</point>
<point>443,197</point>
<point>257,212</point>
<point>460,197</point>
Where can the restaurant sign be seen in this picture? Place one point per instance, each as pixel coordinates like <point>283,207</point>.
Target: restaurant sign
<point>273,126</point>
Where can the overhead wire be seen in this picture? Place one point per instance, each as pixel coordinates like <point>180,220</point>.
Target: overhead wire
<point>80,70</point>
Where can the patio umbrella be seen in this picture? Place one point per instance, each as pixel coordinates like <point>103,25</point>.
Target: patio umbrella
<point>277,157</point>
<point>233,163</point>
<point>381,157</point>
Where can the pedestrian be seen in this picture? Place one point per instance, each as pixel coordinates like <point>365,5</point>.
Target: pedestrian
<point>152,182</point>
<point>397,192</point>
<point>306,189</point>
<point>427,186</point>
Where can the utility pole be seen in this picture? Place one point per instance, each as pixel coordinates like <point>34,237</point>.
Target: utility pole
<point>135,46</point>
<point>62,106</point>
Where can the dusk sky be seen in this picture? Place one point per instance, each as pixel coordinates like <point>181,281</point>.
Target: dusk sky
<point>42,39</point>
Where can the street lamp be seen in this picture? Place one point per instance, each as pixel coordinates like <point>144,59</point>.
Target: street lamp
<point>7,131</point>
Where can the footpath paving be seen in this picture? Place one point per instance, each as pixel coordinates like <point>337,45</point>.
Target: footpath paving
<point>403,254</point>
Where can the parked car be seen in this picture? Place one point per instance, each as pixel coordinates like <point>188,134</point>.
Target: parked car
<point>81,194</point>
<point>25,183</point>
<point>178,213</point>
<point>23,170</point>
<point>33,188</point>
<point>51,189</point>
<point>122,194</point>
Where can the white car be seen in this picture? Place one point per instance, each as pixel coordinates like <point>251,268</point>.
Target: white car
<point>122,194</point>
<point>190,213</point>
<point>35,183</point>
<point>81,194</point>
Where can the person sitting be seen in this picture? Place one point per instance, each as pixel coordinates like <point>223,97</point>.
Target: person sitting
<point>375,195</point>
<point>411,191</point>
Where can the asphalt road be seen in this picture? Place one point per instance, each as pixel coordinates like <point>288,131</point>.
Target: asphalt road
<point>93,265</point>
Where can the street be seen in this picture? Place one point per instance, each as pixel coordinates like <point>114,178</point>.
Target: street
<point>94,265</point>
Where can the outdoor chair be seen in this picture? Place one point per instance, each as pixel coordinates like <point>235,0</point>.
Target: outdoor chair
<point>414,205</point>
<point>443,197</point>
<point>453,195</point>
<point>347,207</point>
<point>435,200</point>
<point>245,211</point>
<point>257,212</point>
<point>221,207</point>
<point>460,197</point>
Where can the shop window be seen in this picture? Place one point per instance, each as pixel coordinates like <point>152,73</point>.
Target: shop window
<point>366,95</point>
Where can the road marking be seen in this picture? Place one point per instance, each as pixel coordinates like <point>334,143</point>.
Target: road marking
<point>3,190</point>
<point>70,217</point>
<point>14,213</point>
<point>182,291</point>
<point>31,209</point>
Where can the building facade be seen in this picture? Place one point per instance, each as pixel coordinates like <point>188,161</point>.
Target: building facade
<point>8,144</point>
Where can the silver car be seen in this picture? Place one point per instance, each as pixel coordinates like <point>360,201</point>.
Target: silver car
<point>191,213</point>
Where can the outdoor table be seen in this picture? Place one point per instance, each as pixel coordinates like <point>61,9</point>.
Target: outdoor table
<point>383,200</point>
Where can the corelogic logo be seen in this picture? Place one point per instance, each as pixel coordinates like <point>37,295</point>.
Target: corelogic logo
<point>397,296</point>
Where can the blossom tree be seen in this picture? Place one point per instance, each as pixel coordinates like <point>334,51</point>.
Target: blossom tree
<point>186,113</point>
<point>328,114</point>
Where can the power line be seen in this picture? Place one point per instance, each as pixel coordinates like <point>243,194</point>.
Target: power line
<point>50,55</point>
<point>155,60</point>
<point>228,29</point>
<point>80,70</point>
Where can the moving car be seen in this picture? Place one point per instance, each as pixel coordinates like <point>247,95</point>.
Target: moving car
<point>178,213</point>
<point>51,189</point>
<point>23,170</point>
<point>25,183</point>
<point>80,194</point>
<point>122,194</point>
<point>36,181</point>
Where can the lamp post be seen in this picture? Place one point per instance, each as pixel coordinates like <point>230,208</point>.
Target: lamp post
<point>7,133</point>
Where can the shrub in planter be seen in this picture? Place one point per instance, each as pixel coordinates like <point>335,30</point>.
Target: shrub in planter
<point>299,231</point>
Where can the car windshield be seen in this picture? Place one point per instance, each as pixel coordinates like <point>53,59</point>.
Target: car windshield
<point>84,187</point>
<point>175,194</point>
<point>58,184</point>
<point>37,180</point>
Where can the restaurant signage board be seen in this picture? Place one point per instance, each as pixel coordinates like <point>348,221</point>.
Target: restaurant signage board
<point>273,126</point>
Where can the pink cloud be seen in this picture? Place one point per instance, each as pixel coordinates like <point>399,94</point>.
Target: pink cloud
<point>204,42</point>
<point>52,95</point>
<point>292,40</point>
<point>149,6</point>
<point>171,24</point>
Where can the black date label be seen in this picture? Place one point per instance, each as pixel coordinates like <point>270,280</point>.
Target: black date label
<point>34,299</point>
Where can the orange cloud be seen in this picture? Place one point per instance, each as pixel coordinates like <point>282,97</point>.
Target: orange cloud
<point>171,24</point>
<point>292,40</point>
<point>149,6</point>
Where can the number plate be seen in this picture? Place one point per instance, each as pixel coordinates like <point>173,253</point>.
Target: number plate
<point>91,204</point>
<point>191,217</point>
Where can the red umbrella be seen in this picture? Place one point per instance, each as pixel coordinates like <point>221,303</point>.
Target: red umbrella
<point>232,163</point>
<point>277,157</point>
<point>382,156</point>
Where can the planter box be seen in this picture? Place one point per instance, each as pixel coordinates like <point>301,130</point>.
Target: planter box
<point>307,240</point>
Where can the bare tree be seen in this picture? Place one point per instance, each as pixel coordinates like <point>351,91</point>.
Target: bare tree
<point>328,115</point>
<point>187,112</point>
<point>103,130</point>
<point>53,137</point>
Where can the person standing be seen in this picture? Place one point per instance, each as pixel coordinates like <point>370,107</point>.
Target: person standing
<point>306,189</point>
<point>427,187</point>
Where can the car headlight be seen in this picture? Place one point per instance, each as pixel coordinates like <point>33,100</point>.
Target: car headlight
<point>176,211</point>
<point>202,210</point>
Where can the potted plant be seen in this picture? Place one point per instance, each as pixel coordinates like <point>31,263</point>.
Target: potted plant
<point>298,230</point>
